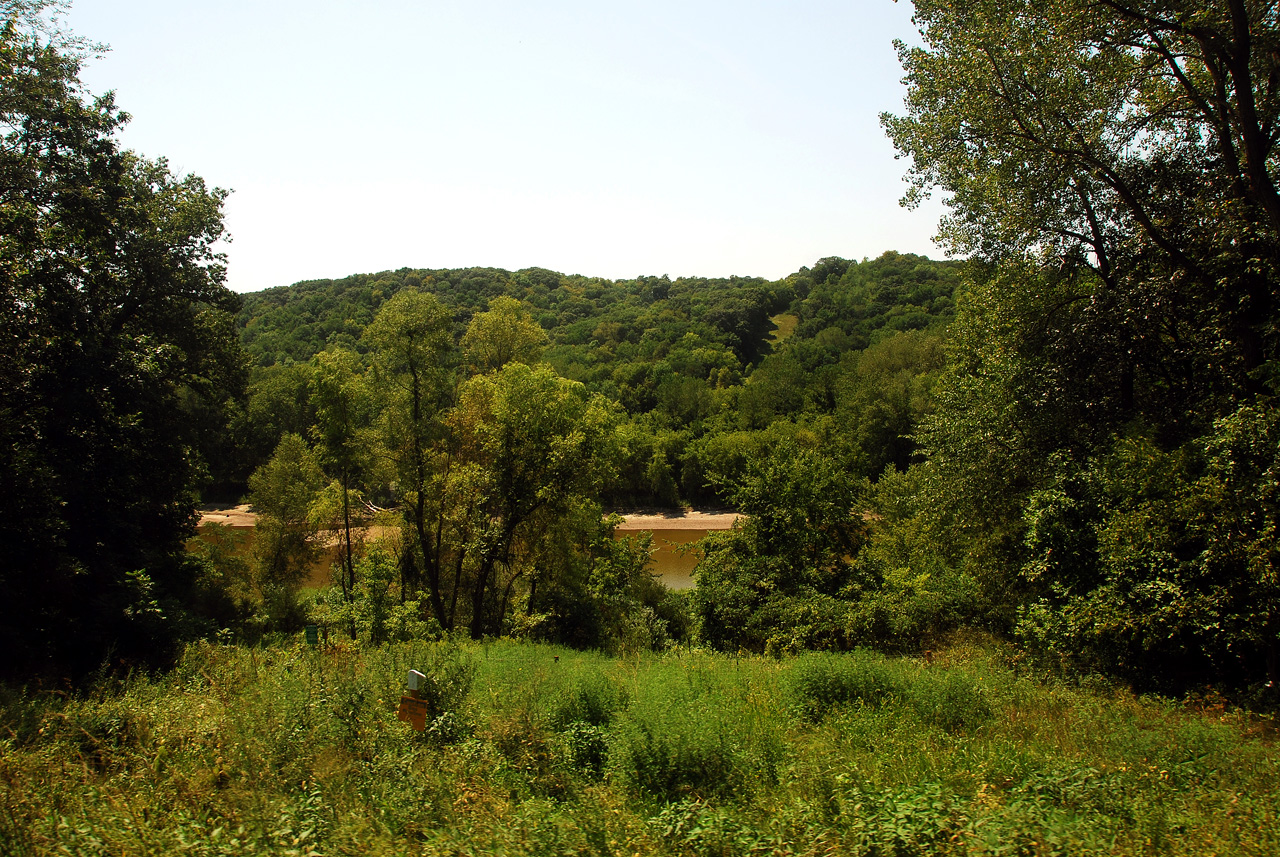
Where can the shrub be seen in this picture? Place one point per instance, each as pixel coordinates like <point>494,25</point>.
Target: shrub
<point>686,736</point>
<point>590,699</point>
<point>669,759</point>
<point>586,748</point>
<point>820,682</point>
<point>951,700</point>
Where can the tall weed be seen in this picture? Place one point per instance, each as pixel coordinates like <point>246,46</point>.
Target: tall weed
<point>820,682</point>
<point>690,734</point>
<point>950,699</point>
<point>290,750</point>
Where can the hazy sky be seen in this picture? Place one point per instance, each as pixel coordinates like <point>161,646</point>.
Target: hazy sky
<point>603,138</point>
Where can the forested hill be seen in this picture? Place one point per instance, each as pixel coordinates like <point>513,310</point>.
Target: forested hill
<point>850,300</point>
<point>701,366</point>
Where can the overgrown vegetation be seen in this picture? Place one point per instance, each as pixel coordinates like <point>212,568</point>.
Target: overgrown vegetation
<point>534,749</point>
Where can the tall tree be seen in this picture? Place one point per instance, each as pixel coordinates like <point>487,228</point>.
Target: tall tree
<point>1134,138</point>
<point>286,540</point>
<point>1115,162</point>
<point>343,415</point>
<point>410,339</point>
<point>536,440</point>
<point>111,308</point>
<point>503,334</point>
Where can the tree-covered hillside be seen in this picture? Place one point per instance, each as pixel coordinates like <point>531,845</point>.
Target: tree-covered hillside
<point>695,363</point>
<point>490,416</point>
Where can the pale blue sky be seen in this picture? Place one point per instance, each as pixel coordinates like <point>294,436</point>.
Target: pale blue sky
<point>611,139</point>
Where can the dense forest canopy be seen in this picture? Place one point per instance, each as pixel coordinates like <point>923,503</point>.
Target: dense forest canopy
<point>692,362</point>
<point>499,412</point>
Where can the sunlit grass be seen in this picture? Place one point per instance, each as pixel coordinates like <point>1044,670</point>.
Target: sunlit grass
<point>784,325</point>
<point>540,750</point>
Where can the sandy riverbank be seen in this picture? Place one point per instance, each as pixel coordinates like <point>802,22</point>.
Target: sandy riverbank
<point>243,516</point>
<point>687,520</point>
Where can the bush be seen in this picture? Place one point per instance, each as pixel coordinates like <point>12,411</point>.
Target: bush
<point>686,736</point>
<point>951,700</point>
<point>821,682</point>
<point>590,699</point>
<point>374,612</point>
<point>586,748</point>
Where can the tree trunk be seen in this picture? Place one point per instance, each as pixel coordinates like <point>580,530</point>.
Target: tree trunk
<point>477,597</point>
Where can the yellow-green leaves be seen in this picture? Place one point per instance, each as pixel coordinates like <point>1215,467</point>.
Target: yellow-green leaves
<point>503,335</point>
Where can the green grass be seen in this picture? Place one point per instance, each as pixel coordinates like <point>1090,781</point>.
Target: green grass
<point>785,324</point>
<point>541,750</point>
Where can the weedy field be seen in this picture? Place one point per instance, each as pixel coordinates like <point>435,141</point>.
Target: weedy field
<point>540,750</point>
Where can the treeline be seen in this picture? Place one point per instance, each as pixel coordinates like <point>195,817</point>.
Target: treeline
<point>487,418</point>
<point>699,367</point>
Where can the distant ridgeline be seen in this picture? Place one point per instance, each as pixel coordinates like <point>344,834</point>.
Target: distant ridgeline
<point>841,303</point>
<point>691,360</point>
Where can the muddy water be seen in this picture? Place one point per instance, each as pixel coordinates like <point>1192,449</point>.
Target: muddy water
<point>321,572</point>
<point>674,566</point>
<point>670,562</point>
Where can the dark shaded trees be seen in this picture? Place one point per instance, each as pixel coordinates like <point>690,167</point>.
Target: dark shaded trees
<point>112,323</point>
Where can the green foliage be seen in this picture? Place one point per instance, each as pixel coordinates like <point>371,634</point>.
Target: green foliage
<point>674,355</point>
<point>1149,556</point>
<point>344,411</point>
<point>1121,195</point>
<point>289,749</point>
<point>119,367</point>
<point>636,609</point>
<point>821,682</point>
<point>866,301</point>
<point>590,698</point>
<point>538,441</point>
<point>377,608</point>
<point>286,538</point>
<point>884,395</point>
<point>910,587</point>
<point>411,339</point>
<point>224,593</point>
<point>1118,550</point>
<point>279,403</point>
<point>770,583</point>
<point>951,700</point>
<point>505,334</point>
<point>685,738</point>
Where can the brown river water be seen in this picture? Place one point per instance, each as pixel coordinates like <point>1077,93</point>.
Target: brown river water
<point>670,533</point>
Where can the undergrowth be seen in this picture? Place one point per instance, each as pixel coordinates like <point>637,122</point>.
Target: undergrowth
<point>541,750</point>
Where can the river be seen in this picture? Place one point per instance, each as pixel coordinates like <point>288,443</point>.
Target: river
<point>670,531</point>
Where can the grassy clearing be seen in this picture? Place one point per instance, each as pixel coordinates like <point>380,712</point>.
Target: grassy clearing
<point>541,750</point>
<point>784,325</point>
